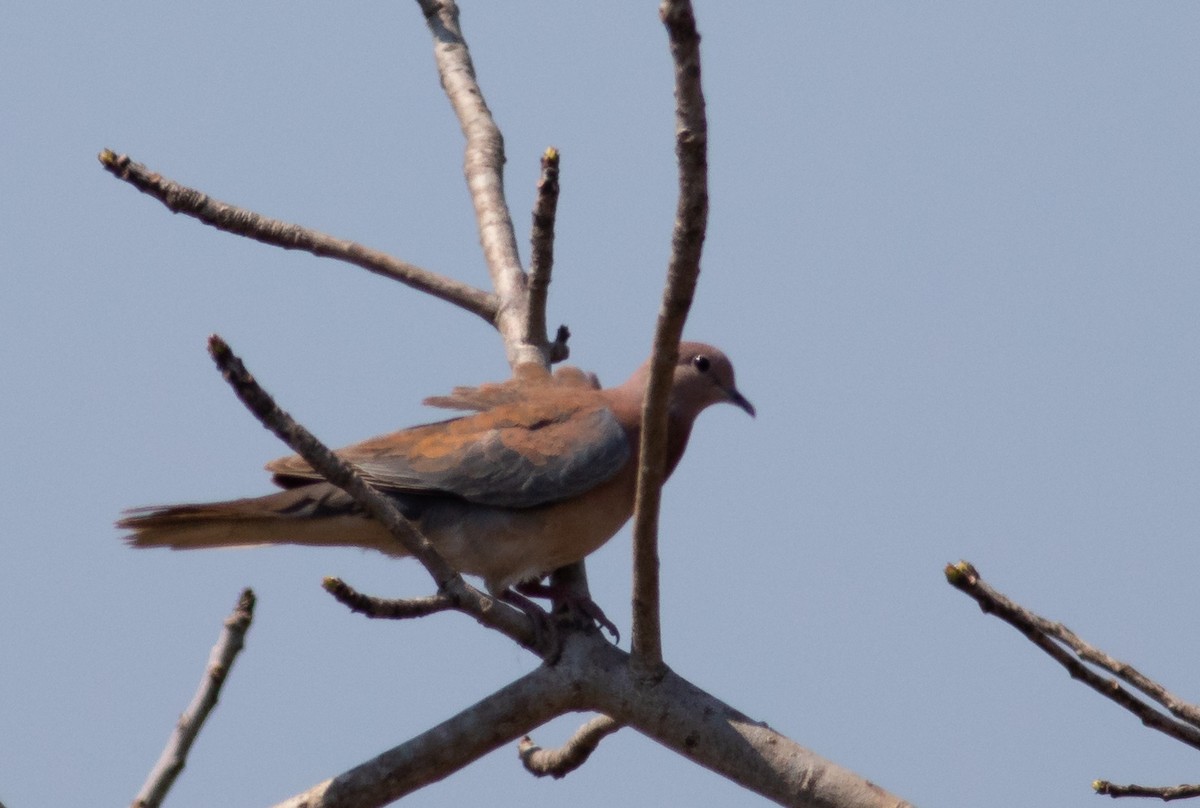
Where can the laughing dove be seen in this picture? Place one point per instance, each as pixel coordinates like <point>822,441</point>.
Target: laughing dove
<point>539,476</point>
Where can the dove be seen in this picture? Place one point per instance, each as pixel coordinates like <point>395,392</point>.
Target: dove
<point>539,474</point>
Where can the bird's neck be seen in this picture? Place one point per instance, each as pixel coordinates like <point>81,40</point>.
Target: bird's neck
<point>626,403</point>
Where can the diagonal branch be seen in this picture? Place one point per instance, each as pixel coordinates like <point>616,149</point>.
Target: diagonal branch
<point>1185,711</point>
<point>239,221</point>
<point>558,763</point>
<point>487,611</point>
<point>964,577</point>
<point>483,165</point>
<point>220,661</point>
<point>709,732</point>
<point>499,719</point>
<point>687,241</point>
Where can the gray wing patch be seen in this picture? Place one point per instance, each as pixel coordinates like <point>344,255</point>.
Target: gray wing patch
<point>515,466</point>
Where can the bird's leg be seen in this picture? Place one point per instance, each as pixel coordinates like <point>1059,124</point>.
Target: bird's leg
<point>581,604</point>
<point>543,629</point>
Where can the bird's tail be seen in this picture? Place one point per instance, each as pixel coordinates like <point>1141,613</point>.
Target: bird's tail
<point>315,515</point>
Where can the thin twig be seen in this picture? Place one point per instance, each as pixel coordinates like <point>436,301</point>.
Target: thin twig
<point>558,763</point>
<point>541,255</point>
<point>483,165</point>
<point>486,610</point>
<point>558,348</point>
<point>1164,793</point>
<point>239,221</point>
<point>964,577</point>
<point>220,661</point>
<point>385,608</point>
<point>1181,709</point>
<point>687,241</point>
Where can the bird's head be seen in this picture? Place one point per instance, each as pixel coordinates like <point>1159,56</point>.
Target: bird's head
<point>704,376</point>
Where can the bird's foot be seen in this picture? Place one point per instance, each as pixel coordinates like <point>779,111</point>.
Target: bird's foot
<point>580,605</point>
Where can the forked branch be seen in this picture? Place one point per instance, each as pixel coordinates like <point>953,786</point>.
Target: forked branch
<point>1060,643</point>
<point>483,165</point>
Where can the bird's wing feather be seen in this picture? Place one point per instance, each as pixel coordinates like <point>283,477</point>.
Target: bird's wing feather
<point>521,454</point>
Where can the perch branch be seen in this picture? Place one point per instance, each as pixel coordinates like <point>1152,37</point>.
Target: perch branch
<point>558,763</point>
<point>594,675</point>
<point>239,221</point>
<point>487,611</point>
<point>964,577</point>
<point>541,254</point>
<point>687,241</point>
<point>220,661</point>
<point>483,166</point>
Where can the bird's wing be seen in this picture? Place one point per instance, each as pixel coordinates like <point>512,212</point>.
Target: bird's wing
<point>540,449</point>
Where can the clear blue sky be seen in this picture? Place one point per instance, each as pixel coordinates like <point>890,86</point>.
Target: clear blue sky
<point>953,252</point>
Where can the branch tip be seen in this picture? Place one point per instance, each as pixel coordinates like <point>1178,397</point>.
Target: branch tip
<point>961,574</point>
<point>218,348</point>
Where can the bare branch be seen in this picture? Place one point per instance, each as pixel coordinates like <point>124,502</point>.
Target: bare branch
<point>1164,793</point>
<point>483,165</point>
<point>541,255</point>
<point>1181,709</point>
<point>239,221</point>
<point>964,577</point>
<point>383,608</point>
<point>687,241</point>
<point>220,661</point>
<point>486,610</point>
<point>593,675</point>
<point>499,719</point>
<point>558,763</point>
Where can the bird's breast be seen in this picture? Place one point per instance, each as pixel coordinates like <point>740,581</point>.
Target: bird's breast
<point>506,546</point>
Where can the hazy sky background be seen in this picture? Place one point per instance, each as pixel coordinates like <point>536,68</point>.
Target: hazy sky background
<point>953,253</point>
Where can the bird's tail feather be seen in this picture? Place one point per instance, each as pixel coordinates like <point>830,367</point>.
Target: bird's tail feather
<point>314,515</point>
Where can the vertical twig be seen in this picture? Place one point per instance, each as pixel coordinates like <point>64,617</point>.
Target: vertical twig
<point>174,756</point>
<point>541,255</point>
<point>687,241</point>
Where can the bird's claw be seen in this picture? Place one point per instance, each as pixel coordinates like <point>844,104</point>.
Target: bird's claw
<point>580,605</point>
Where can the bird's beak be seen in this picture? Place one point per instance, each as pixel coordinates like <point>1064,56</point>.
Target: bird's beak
<point>739,400</point>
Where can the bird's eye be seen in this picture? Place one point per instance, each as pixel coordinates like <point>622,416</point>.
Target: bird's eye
<point>701,363</point>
